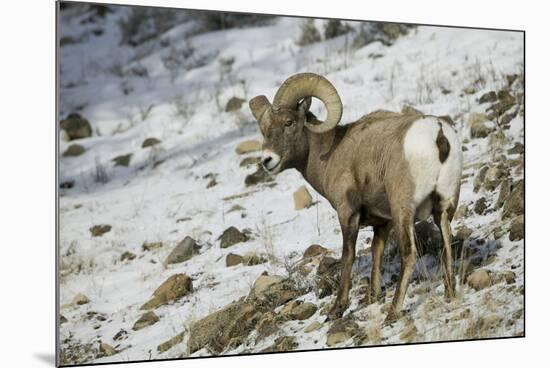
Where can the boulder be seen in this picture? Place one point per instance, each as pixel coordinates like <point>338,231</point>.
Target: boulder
<point>480,126</point>
<point>106,350</point>
<point>233,260</point>
<point>298,310</point>
<point>517,228</point>
<point>76,127</point>
<point>99,230</point>
<point>504,192</point>
<point>493,177</point>
<point>184,251</point>
<point>122,160</point>
<point>169,344</point>
<point>480,206</point>
<point>146,319</point>
<point>341,330</point>
<point>149,246</point>
<point>479,279</point>
<point>273,291</point>
<point>149,142</point>
<point>80,299</point>
<point>252,259</point>
<point>480,178</point>
<point>517,149</point>
<point>127,256</point>
<point>232,236</point>
<point>314,250</point>
<point>488,97</point>
<point>175,287</point>
<point>282,344</point>
<point>514,204</point>
<point>248,146</point>
<point>257,177</point>
<point>302,198</point>
<point>74,150</point>
<point>328,276</point>
<point>313,326</point>
<point>218,329</point>
<point>234,104</point>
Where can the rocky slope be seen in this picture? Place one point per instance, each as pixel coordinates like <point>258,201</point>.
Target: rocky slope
<point>174,243</point>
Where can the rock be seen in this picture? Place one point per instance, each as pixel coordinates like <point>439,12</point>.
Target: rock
<point>99,230</point>
<point>74,150</point>
<point>127,256</point>
<point>247,161</point>
<point>409,332</point>
<point>517,149</point>
<point>504,192</point>
<point>479,125</point>
<point>341,330</point>
<point>248,146</point>
<point>251,259</point>
<point>514,204</point>
<point>480,178</point>
<point>259,176</point>
<point>80,299</point>
<point>121,335</point>
<point>509,277</point>
<point>328,276</point>
<point>273,291</point>
<point>233,260</point>
<point>67,184</point>
<point>76,127</point>
<point>480,206</point>
<point>282,344</point>
<point>409,110</point>
<point>184,251</point>
<point>263,283</point>
<point>146,319</point>
<point>216,330</point>
<point>149,142</point>
<point>493,177</point>
<point>488,97</point>
<point>517,228</point>
<point>267,324</point>
<point>234,104</point>
<point>175,287</point>
<point>298,310</point>
<point>429,238</point>
<point>122,160</point>
<point>313,326</point>
<point>314,250</point>
<point>505,102</point>
<point>470,90</point>
<point>106,350</point>
<point>169,344</point>
<point>232,236</point>
<point>302,198</point>
<point>479,279</point>
<point>149,246</point>
<point>62,319</point>
<point>463,233</point>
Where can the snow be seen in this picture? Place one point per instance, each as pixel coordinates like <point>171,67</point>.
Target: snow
<point>165,183</point>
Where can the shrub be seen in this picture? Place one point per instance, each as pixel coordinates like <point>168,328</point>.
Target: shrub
<point>309,33</point>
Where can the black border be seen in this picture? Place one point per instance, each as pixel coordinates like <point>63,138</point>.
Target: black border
<point>57,224</point>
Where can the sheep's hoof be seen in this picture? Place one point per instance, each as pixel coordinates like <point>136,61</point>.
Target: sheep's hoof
<point>337,311</point>
<point>392,316</point>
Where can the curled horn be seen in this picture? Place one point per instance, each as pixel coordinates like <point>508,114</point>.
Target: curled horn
<point>304,85</point>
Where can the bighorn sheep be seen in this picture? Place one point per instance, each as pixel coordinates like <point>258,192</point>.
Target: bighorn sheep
<point>384,170</point>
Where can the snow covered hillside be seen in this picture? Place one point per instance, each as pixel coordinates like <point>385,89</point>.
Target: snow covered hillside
<point>174,244</point>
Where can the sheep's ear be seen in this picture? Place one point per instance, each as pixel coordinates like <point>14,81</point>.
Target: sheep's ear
<point>304,105</point>
<point>259,105</point>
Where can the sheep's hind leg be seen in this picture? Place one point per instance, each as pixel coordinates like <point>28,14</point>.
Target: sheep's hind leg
<point>442,217</point>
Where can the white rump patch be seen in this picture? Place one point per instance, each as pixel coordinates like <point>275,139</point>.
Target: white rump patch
<point>422,154</point>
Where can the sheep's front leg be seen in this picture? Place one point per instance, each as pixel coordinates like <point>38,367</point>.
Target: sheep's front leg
<point>349,223</point>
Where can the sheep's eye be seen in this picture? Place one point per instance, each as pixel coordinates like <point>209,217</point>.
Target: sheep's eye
<point>289,123</point>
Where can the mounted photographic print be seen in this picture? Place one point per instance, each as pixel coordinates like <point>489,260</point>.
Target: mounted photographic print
<point>234,183</point>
